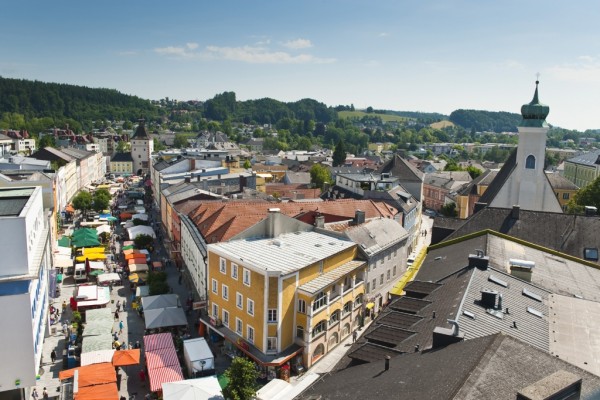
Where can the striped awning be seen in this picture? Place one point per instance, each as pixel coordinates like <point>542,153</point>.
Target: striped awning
<point>161,358</point>
<point>159,376</point>
<point>158,341</point>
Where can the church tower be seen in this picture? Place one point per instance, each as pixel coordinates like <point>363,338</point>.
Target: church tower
<point>142,147</point>
<point>522,180</point>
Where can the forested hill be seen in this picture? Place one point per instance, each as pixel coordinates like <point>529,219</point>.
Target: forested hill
<point>486,121</point>
<point>35,99</point>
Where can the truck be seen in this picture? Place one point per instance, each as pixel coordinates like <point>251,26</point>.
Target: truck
<point>80,274</point>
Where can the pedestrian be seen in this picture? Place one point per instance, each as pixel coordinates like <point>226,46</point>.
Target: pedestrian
<point>354,336</point>
<point>142,376</point>
<point>130,346</point>
<point>53,356</point>
<point>65,328</point>
<point>45,394</point>
<point>118,305</point>
<point>180,277</point>
<point>137,344</point>
<point>120,327</point>
<point>64,306</point>
<point>117,314</point>
<point>124,303</point>
<point>34,394</point>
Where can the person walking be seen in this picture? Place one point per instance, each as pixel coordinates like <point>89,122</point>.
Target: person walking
<point>142,376</point>
<point>354,336</point>
<point>120,327</point>
<point>118,305</point>
<point>45,394</point>
<point>53,356</point>
<point>117,314</point>
<point>34,394</point>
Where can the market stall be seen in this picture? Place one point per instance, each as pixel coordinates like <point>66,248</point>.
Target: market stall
<point>160,301</point>
<point>164,317</point>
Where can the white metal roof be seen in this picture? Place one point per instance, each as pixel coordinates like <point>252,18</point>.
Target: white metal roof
<point>286,254</point>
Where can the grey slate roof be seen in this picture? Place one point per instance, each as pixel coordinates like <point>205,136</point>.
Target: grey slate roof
<point>140,132</point>
<point>377,235</point>
<point>500,179</point>
<point>400,167</point>
<point>591,159</point>
<point>122,157</point>
<point>557,181</point>
<point>322,281</point>
<point>530,328</point>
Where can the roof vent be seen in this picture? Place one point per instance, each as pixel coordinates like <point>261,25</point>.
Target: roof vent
<point>479,260</point>
<point>516,210</point>
<point>521,269</point>
<point>445,336</point>
<point>488,298</point>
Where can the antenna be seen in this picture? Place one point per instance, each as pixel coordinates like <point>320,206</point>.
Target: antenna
<point>537,77</point>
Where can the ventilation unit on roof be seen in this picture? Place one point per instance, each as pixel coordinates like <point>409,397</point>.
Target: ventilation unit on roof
<point>488,298</point>
<point>498,281</point>
<point>532,295</point>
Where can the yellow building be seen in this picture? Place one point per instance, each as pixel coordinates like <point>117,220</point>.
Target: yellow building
<point>288,297</point>
<point>121,164</point>
<point>563,188</point>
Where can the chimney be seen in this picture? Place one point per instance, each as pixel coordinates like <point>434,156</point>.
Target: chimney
<point>387,363</point>
<point>521,269</point>
<point>488,298</point>
<point>590,211</point>
<point>187,179</point>
<point>271,222</point>
<point>559,385</point>
<point>359,217</point>
<point>444,336</point>
<point>479,260</point>
<point>192,164</point>
<point>320,221</point>
<point>516,210</point>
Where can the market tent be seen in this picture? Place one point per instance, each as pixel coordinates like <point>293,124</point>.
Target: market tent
<point>275,389</point>
<point>125,215</point>
<point>158,376</point>
<point>92,256</point>
<point>64,242</point>
<point>138,277</point>
<point>96,357</point>
<point>91,250</point>
<point>103,229</point>
<point>129,247</point>
<point>112,277</point>
<point>198,356</point>
<point>141,217</point>
<point>107,391</point>
<point>206,388</point>
<point>134,231</point>
<point>138,260</point>
<point>111,219</point>
<point>97,342</point>
<point>128,243</point>
<point>83,231</point>
<point>158,341</point>
<point>162,358</point>
<point>131,251</point>
<point>142,291</point>
<point>99,314</point>
<point>89,375</point>
<point>86,242</point>
<point>156,265</point>
<point>160,301</point>
<point>132,256</point>
<point>61,261</point>
<point>63,251</point>
<point>138,267</point>
<point>126,357</point>
<point>164,317</point>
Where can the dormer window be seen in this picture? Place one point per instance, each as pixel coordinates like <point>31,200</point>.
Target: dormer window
<point>530,162</point>
<point>590,253</point>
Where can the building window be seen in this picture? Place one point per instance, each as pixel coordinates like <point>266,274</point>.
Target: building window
<point>250,306</point>
<point>271,344</point>
<point>250,334</point>
<point>394,271</point>
<point>590,253</point>
<point>381,279</point>
<point>347,307</point>
<point>222,266</point>
<point>358,301</point>
<point>215,286</point>
<point>225,292</point>
<point>388,275</point>
<point>300,332</point>
<point>238,326</point>
<point>320,301</point>
<point>272,315</point>
<point>335,318</point>
<point>301,306</point>
<point>321,266</point>
<point>368,287</point>
<point>226,318</point>
<point>246,277</point>
<point>234,271</point>
<point>239,300</point>
<point>565,196</point>
<point>215,310</point>
<point>374,284</point>
<point>319,328</point>
<point>530,162</point>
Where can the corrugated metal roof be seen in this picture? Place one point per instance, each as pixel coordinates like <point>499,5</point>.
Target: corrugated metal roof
<point>530,328</point>
<point>286,253</point>
<point>322,281</point>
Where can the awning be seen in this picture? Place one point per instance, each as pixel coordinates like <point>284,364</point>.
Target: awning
<point>370,305</point>
<point>138,267</point>
<point>70,209</point>
<point>108,391</point>
<point>158,341</point>
<point>109,277</point>
<point>96,357</point>
<point>126,357</point>
<point>158,376</point>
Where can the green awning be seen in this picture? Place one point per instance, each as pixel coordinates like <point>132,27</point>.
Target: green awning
<point>130,247</point>
<point>86,242</point>
<point>64,242</point>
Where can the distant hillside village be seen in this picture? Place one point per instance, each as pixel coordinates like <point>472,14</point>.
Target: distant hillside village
<point>332,270</point>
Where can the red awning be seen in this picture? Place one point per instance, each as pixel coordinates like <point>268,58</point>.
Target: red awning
<point>159,376</point>
<point>158,341</point>
<point>161,358</point>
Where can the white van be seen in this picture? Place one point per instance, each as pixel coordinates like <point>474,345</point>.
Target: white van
<point>80,275</point>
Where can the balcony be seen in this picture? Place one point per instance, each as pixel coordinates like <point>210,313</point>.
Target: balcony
<point>334,296</point>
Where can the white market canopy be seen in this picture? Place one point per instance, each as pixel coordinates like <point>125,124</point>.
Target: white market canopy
<point>103,229</point>
<point>141,217</point>
<point>138,267</point>
<point>135,231</point>
<point>112,277</point>
<point>206,388</point>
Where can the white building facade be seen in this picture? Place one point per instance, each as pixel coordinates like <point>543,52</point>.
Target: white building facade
<point>24,285</point>
<point>194,254</point>
<point>142,147</point>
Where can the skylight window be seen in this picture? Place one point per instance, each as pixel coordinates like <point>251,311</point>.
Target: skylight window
<point>535,312</point>
<point>532,295</point>
<point>590,253</point>
<point>497,281</point>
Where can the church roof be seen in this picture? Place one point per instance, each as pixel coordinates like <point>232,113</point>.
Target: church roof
<point>535,113</point>
<point>140,132</point>
<point>500,179</point>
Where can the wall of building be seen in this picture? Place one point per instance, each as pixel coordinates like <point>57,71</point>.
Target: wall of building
<point>193,255</point>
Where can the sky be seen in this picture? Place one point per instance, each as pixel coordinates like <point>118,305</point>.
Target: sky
<point>430,56</point>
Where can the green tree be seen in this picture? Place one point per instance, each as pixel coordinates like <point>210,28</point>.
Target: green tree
<point>180,141</point>
<point>158,145</point>
<point>242,377</point>
<point>123,147</point>
<point>100,199</point>
<point>47,141</point>
<point>474,171</point>
<point>339,154</point>
<point>247,164</point>
<point>82,202</point>
<point>586,196</point>
<point>449,210</point>
<point>142,241</point>
<point>319,174</point>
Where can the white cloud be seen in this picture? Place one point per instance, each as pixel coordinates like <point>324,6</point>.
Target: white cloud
<point>587,69</point>
<point>248,54</point>
<point>260,55</point>
<point>298,44</point>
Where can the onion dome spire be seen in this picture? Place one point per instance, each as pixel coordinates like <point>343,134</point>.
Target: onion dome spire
<point>535,113</point>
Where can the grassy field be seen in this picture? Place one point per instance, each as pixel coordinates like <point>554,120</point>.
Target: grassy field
<point>360,114</point>
<point>441,124</point>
